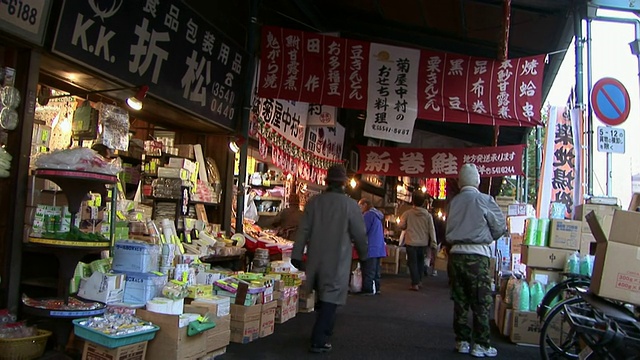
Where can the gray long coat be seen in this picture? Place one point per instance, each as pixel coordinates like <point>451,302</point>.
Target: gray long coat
<point>331,221</point>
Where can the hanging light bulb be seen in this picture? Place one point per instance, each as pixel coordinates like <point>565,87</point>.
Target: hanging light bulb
<point>353,183</point>
<point>399,188</point>
<point>424,189</point>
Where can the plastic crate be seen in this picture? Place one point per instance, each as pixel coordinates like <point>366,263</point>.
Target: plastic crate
<point>110,341</point>
<point>24,348</point>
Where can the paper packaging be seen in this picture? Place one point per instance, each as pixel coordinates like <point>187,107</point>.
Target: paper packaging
<point>616,271</point>
<point>565,234</point>
<point>166,306</point>
<point>515,224</point>
<point>544,257</point>
<point>135,351</point>
<point>544,276</point>
<point>217,305</point>
<point>217,340</point>
<point>268,319</point>
<point>525,328</point>
<point>244,332</point>
<point>172,342</point>
<point>587,244</point>
<point>604,213</point>
<point>186,164</point>
<point>105,288</point>
<point>245,313</point>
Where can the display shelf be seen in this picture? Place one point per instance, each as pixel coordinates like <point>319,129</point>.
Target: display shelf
<point>268,198</point>
<point>265,213</point>
<point>76,244</point>
<point>44,282</point>
<point>77,184</point>
<point>271,184</point>
<point>192,202</point>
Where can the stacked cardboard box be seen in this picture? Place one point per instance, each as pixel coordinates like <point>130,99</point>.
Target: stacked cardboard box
<point>268,318</point>
<point>217,338</point>
<point>616,272</point>
<point>604,214</point>
<point>544,264</point>
<point>135,351</point>
<point>389,264</point>
<point>287,304</point>
<point>306,300</point>
<point>245,323</point>
<point>172,342</point>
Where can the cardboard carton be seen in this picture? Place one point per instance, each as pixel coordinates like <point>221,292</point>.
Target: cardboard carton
<point>392,255</point>
<point>268,319</point>
<point>565,234</point>
<point>544,257</point>
<point>244,332</point>
<point>587,244</point>
<point>171,341</point>
<point>544,276</point>
<point>105,288</point>
<point>604,213</point>
<point>246,313</point>
<point>217,340</point>
<point>616,271</point>
<point>135,351</point>
<point>526,326</point>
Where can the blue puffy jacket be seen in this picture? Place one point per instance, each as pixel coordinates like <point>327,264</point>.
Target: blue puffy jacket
<point>373,221</point>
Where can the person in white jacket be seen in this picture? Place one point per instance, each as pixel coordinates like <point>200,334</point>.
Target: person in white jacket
<point>474,221</point>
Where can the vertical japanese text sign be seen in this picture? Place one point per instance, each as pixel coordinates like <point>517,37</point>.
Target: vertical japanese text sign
<point>184,60</point>
<point>559,175</point>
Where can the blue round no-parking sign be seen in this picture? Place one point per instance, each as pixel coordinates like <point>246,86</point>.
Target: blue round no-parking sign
<point>610,101</point>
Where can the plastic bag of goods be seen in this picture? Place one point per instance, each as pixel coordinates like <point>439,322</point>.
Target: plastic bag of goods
<point>530,231</point>
<point>536,293</point>
<point>586,265</point>
<point>572,265</point>
<point>521,296</point>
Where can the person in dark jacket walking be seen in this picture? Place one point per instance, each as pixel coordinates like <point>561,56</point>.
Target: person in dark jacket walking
<point>330,224</point>
<point>474,221</point>
<point>371,267</point>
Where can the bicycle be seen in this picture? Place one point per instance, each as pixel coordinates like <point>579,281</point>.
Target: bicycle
<point>609,330</point>
<point>556,336</point>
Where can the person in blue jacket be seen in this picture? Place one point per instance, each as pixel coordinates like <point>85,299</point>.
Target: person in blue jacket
<point>376,249</point>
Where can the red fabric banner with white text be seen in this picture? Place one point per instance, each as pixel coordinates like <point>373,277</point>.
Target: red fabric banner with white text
<point>440,163</point>
<point>323,69</point>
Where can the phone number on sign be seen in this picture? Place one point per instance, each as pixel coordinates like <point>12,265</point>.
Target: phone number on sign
<point>21,10</point>
<point>390,129</point>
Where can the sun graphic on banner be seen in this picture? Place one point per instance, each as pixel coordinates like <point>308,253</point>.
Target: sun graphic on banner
<point>383,56</point>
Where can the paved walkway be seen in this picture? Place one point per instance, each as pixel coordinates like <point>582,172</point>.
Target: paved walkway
<point>398,324</point>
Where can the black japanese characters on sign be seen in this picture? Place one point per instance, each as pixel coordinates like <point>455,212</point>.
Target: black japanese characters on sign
<point>163,44</point>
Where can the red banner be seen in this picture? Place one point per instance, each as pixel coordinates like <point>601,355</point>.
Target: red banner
<point>328,70</point>
<point>440,163</point>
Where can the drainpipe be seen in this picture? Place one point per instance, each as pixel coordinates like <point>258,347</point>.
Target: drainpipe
<point>254,30</point>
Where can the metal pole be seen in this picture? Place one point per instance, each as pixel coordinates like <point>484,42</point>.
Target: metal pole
<point>579,90</point>
<point>253,35</point>
<point>589,127</point>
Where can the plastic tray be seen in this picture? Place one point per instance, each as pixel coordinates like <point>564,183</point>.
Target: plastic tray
<point>110,341</point>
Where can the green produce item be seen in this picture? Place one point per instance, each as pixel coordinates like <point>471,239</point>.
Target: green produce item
<point>550,286</point>
<point>531,229</point>
<point>542,235</point>
<point>101,265</point>
<point>75,235</point>
<point>521,296</point>
<point>572,266</point>
<point>537,292</point>
<point>586,265</point>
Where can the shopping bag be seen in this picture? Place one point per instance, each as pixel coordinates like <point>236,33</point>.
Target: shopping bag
<point>355,285</point>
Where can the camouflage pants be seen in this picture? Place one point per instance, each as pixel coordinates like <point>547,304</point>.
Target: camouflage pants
<point>471,290</point>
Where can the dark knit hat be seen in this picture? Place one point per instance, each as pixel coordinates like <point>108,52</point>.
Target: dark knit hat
<point>337,173</point>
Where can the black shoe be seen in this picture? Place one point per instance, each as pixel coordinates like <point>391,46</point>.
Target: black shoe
<point>365,293</point>
<point>320,349</point>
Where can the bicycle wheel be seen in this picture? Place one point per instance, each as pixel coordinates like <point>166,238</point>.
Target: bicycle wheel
<point>557,339</point>
<point>560,292</point>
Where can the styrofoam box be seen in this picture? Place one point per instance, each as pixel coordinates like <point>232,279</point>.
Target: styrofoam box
<point>142,287</point>
<point>135,256</point>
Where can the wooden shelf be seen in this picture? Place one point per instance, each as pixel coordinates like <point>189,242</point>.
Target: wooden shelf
<point>268,198</point>
<point>49,283</point>
<point>264,213</point>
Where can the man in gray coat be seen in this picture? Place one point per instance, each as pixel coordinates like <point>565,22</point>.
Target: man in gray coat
<point>331,223</point>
